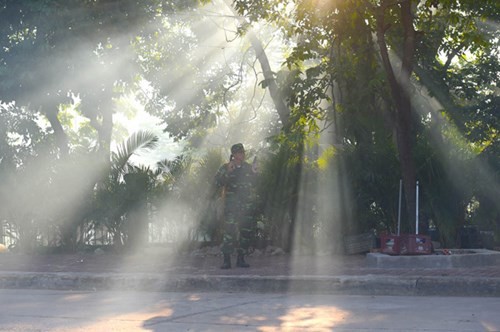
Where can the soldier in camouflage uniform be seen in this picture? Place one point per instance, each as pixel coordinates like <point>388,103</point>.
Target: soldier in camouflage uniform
<point>237,180</point>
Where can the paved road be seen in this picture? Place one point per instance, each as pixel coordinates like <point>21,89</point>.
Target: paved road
<point>46,310</point>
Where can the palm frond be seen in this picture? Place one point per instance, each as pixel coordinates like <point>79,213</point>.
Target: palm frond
<point>141,139</point>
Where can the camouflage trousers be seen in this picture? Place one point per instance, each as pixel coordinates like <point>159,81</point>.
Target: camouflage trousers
<point>239,230</point>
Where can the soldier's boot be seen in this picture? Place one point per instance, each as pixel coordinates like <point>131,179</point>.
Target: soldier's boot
<point>227,262</point>
<point>240,261</point>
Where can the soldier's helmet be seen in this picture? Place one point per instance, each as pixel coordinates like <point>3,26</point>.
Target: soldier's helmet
<point>238,147</point>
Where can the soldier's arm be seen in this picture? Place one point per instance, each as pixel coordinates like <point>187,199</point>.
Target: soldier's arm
<point>221,176</point>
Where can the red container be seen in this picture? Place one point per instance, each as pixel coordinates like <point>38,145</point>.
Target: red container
<point>390,244</point>
<point>412,244</point>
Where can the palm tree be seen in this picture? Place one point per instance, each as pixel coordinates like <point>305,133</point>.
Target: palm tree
<point>123,192</point>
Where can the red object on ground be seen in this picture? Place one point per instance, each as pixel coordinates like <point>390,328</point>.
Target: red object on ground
<point>406,244</point>
<point>390,244</point>
<point>415,244</point>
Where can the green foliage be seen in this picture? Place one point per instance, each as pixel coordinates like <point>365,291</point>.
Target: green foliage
<point>459,64</point>
<point>277,191</point>
<point>335,159</point>
<point>115,199</point>
<point>332,74</point>
<point>21,137</point>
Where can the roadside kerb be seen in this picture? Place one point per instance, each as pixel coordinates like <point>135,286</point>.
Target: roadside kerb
<point>344,284</point>
<point>478,258</point>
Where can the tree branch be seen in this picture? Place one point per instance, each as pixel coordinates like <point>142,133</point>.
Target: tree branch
<point>283,110</point>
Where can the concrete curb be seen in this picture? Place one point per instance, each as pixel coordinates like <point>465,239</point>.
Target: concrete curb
<point>353,285</point>
<point>479,258</point>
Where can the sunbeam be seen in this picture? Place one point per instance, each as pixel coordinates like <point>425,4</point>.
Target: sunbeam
<point>118,126</point>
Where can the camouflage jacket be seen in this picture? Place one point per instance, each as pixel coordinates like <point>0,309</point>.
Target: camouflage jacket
<point>238,185</point>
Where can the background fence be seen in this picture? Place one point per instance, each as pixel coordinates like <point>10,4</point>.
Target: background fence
<point>94,234</point>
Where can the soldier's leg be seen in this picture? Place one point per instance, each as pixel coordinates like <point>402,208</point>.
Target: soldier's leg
<point>229,238</point>
<point>247,232</point>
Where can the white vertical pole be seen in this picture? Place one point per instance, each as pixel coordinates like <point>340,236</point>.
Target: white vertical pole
<point>399,205</point>
<point>416,210</point>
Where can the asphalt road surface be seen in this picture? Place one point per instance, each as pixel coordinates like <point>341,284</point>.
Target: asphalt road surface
<point>48,310</point>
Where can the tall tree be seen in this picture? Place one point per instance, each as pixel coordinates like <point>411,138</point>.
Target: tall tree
<point>400,87</point>
<point>316,26</point>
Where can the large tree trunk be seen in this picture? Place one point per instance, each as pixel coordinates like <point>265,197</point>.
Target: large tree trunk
<point>50,110</point>
<point>105,131</point>
<point>282,109</point>
<point>98,107</point>
<point>400,91</point>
